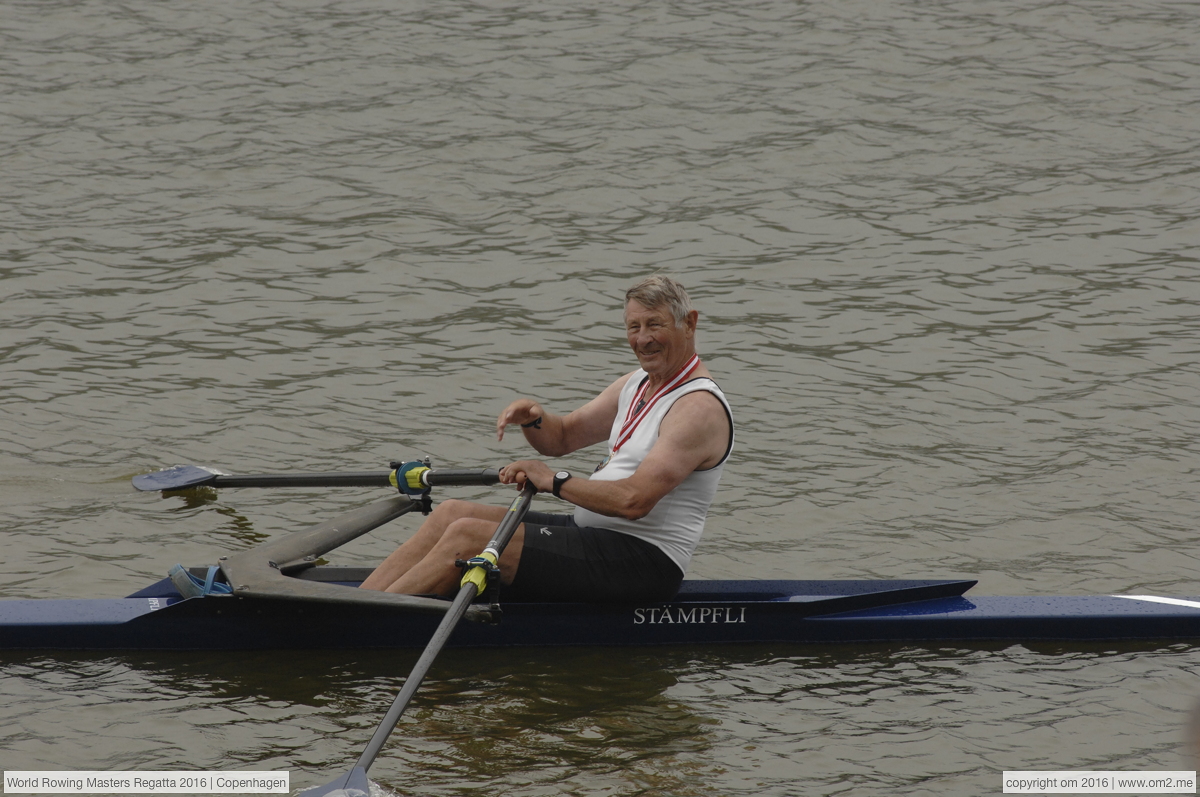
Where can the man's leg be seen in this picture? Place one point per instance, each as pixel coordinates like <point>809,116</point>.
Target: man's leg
<point>437,574</point>
<point>454,530</point>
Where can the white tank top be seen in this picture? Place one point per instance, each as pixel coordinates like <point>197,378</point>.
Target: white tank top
<point>677,520</point>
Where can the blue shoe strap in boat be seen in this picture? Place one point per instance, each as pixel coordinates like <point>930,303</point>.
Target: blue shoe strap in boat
<point>190,586</point>
<point>212,586</point>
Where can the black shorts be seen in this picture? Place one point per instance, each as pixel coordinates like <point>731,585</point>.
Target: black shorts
<point>563,562</point>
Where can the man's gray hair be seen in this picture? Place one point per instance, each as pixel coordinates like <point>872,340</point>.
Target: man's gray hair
<point>661,291</point>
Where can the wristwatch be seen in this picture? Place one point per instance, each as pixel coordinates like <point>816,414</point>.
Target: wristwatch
<point>560,478</point>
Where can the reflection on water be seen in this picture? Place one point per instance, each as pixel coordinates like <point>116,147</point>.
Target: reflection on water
<point>238,526</point>
<point>673,721</point>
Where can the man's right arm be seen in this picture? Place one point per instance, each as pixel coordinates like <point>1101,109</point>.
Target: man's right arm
<point>558,435</point>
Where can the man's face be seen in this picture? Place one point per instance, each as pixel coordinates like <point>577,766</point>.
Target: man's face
<point>657,342</point>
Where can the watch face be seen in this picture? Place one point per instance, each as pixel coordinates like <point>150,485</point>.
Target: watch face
<point>562,474</point>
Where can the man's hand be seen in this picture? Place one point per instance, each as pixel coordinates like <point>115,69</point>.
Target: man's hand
<point>520,411</point>
<point>559,435</point>
<point>531,470</point>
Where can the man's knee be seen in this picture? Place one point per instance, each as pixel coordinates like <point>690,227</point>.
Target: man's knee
<point>450,508</point>
<point>453,509</point>
<point>466,534</point>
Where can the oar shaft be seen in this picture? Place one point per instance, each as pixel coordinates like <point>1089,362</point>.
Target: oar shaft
<point>516,513</point>
<point>440,477</point>
<point>358,479</point>
<point>183,477</point>
<point>466,594</point>
<point>459,477</point>
<point>462,601</point>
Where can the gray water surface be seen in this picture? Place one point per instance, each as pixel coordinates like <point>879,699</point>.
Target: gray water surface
<point>945,258</point>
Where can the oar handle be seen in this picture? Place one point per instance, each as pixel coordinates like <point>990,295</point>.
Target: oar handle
<point>516,513</point>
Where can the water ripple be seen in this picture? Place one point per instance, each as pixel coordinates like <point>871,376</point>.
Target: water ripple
<point>944,254</point>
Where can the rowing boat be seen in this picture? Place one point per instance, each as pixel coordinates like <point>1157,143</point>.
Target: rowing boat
<point>704,613</point>
<point>282,597</point>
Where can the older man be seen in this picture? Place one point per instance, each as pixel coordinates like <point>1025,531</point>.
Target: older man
<point>638,517</point>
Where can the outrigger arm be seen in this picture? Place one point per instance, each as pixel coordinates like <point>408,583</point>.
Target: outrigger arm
<point>265,571</point>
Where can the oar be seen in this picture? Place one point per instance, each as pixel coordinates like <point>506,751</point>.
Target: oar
<point>182,477</point>
<point>474,580</point>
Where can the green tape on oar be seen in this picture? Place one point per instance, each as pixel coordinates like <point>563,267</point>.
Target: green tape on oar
<point>477,570</point>
<point>407,478</point>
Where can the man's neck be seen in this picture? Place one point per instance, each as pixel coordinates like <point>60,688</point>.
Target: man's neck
<point>657,380</point>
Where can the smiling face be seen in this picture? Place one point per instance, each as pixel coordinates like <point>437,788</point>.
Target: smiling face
<point>661,346</point>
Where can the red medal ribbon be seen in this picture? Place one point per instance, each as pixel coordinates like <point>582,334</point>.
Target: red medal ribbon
<point>635,415</point>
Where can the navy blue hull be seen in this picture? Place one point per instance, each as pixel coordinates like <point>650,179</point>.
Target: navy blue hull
<point>705,613</point>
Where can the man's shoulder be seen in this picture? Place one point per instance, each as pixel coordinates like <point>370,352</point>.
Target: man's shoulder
<point>703,400</point>
<point>701,410</point>
<point>699,421</point>
<point>704,388</point>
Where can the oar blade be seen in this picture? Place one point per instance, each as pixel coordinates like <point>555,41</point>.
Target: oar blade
<point>352,784</point>
<point>180,477</point>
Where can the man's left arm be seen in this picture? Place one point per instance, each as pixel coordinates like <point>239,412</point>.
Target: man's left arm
<point>694,435</point>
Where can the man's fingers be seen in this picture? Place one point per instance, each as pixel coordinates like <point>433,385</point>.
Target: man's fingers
<point>503,421</point>
<point>520,411</point>
<point>517,478</point>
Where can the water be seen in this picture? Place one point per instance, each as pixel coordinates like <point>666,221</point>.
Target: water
<point>944,255</point>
